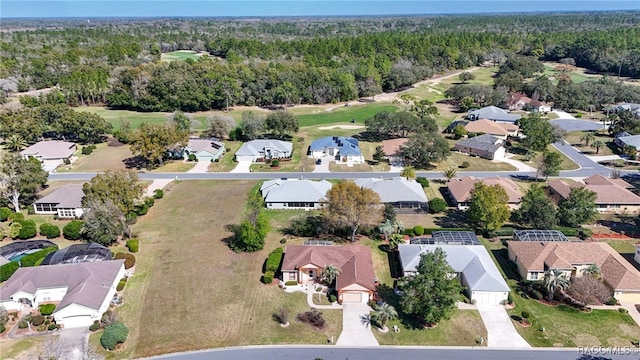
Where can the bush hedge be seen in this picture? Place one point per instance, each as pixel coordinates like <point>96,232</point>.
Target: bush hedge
<point>268,277</point>
<point>567,231</point>
<point>28,229</point>
<point>113,335</point>
<point>2,328</point>
<point>31,259</point>
<point>86,150</point>
<point>129,259</point>
<point>95,326</point>
<point>16,217</point>
<point>149,201</point>
<point>133,245</point>
<point>525,314</point>
<point>52,327</point>
<point>506,231</point>
<point>72,231</point>
<point>50,231</point>
<point>464,165</point>
<point>5,213</point>
<point>418,230</point>
<point>37,320</point>
<point>23,324</point>
<point>537,294</point>
<point>121,284</point>
<point>584,233</point>
<point>332,298</point>
<point>158,194</point>
<point>429,231</point>
<point>423,181</point>
<point>291,283</point>
<point>437,205</point>
<point>142,210</point>
<point>47,309</point>
<point>273,260</point>
<point>275,163</point>
<point>8,269</point>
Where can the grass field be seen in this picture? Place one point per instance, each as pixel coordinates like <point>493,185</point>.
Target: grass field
<point>180,55</point>
<point>226,162</point>
<point>191,292</point>
<point>104,157</point>
<point>343,114</point>
<point>175,166</point>
<point>455,159</point>
<point>574,139</point>
<point>564,326</point>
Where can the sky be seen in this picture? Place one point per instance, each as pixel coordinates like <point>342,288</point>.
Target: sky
<point>265,8</point>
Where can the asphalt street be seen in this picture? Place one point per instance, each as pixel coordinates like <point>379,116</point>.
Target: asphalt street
<point>385,353</point>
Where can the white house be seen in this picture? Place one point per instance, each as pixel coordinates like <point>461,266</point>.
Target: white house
<point>264,149</point>
<point>493,113</point>
<point>404,195</point>
<point>204,149</point>
<point>345,150</point>
<point>51,153</point>
<point>82,291</point>
<point>295,194</point>
<point>66,202</point>
<point>472,264</point>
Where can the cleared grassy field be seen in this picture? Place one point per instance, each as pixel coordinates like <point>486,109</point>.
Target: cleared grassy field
<point>455,159</point>
<point>574,139</point>
<point>191,292</point>
<point>104,157</point>
<point>343,114</point>
<point>180,55</point>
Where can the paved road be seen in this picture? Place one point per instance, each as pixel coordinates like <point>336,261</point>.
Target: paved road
<point>381,353</point>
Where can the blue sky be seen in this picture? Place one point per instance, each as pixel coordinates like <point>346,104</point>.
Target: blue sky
<point>213,8</point>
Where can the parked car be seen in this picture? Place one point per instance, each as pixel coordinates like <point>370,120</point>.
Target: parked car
<point>319,162</point>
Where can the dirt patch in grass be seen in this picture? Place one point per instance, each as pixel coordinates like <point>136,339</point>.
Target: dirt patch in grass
<point>586,340</point>
<point>191,292</point>
<point>104,157</point>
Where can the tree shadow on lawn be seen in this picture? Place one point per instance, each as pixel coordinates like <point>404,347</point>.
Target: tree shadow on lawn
<point>509,268</point>
<point>386,294</point>
<point>393,258</point>
<point>135,162</point>
<point>454,219</point>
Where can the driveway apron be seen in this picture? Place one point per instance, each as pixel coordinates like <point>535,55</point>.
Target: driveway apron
<point>500,329</point>
<point>354,332</point>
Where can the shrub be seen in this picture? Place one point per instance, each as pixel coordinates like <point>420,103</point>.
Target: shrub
<point>108,318</point>
<point>2,328</point>
<point>418,230</point>
<point>273,261</point>
<point>158,194</point>
<point>50,231</point>
<point>408,232</point>
<point>52,327</point>
<point>28,229</point>
<point>114,335</point>
<point>132,217</point>
<point>129,259</point>
<point>584,233</point>
<point>283,241</point>
<point>121,284</point>
<point>509,298</point>
<point>623,310</point>
<point>23,324</point>
<point>423,181</point>
<point>525,314</point>
<point>5,213</point>
<point>612,301</point>
<point>72,231</point>
<point>16,217</point>
<point>142,210</point>
<point>47,309</point>
<point>464,165</point>
<point>133,245</point>
<point>332,298</point>
<point>95,326</point>
<point>578,115</point>
<point>87,150</point>
<point>14,229</point>
<point>192,157</point>
<point>149,201</point>
<point>313,318</point>
<point>437,205</point>
<point>42,327</point>
<point>567,231</point>
<point>291,283</point>
<point>268,277</point>
<point>537,294</point>
<point>7,270</point>
<point>37,320</point>
<point>33,258</point>
<point>31,210</point>
<point>275,163</point>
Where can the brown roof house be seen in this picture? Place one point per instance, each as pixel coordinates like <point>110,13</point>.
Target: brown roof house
<point>485,146</point>
<point>356,282</point>
<point>82,292</point>
<point>613,195</point>
<point>533,258</point>
<point>520,101</point>
<point>500,130</point>
<point>460,190</point>
<point>66,202</point>
<point>391,149</point>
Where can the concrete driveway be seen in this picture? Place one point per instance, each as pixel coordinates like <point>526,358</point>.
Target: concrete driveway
<point>200,167</point>
<point>501,332</point>
<point>73,343</point>
<point>323,167</point>
<point>354,332</point>
<point>242,167</point>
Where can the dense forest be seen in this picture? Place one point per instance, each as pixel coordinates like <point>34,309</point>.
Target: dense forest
<point>263,62</point>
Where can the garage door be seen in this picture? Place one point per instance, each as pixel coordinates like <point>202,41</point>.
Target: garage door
<point>488,297</point>
<point>76,321</point>
<point>632,298</point>
<point>244,158</point>
<point>352,297</point>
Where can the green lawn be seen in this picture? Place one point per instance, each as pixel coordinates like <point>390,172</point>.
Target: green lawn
<point>574,139</point>
<point>226,162</point>
<point>344,114</point>
<point>180,55</point>
<point>115,117</point>
<point>455,159</point>
<point>104,157</point>
<point>175,166</point>
<point>564,326</point>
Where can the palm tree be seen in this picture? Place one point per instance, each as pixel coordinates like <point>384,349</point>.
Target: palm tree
<point>15,143</point>
<point>387,228</point>
<point>592,270</point>
<point>394,240</point>
<point>382,314</point>
<point>329,274</point>
<point>408,172</point>
<point>450,173</point>
<point>554,280</point>
<point>597,145</point>
<point>587,138</point>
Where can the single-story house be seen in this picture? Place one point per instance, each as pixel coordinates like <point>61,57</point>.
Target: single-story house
<point>533,258</point>
<point>500,130</point>
<point>264,149</point>
<point>405,195</point>
<point>204,149</point>
<point>517,101</point>
<point>295,193</point>
<point>82,292</point>
<point>493,113</point>
<point>613,195</point>
<point>624,139</point>
<point>65,201</point>
<point>540,106</point>
<point>486,146</point>
<point>356,282</point>
<point>391,149</point>
<point>459,190</point>
<point>50,150</point>
<point>637,256</point>
<point>472,266</point>
<point>78,253</point>
<point>634,108</point>
<point>344,149</point>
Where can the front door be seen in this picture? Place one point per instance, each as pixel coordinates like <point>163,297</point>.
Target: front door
<point>312,275</point>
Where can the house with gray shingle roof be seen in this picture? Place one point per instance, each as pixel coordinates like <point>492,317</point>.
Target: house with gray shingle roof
<point>493,113</point>
<point>405,195</point>
<point>50,150</point>
<point>66,202</point>
<point>295,194</point>
<point>486,146</point>
<point>624,139</point>
<point>345,150</point>
<point>472,265</point>
<point>264,149</point>
<point>82,291</point>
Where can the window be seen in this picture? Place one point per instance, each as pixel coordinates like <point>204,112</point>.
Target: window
<point>534,275</point>
<point>292,276</point>
<point>45,207</point>
<point>66,213</point>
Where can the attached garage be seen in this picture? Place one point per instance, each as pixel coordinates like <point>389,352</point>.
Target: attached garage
<point>628,297</point>
<point>244,158</point>
<point>489,297</point>
<point>355,297</point>
<point>75,321</point>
